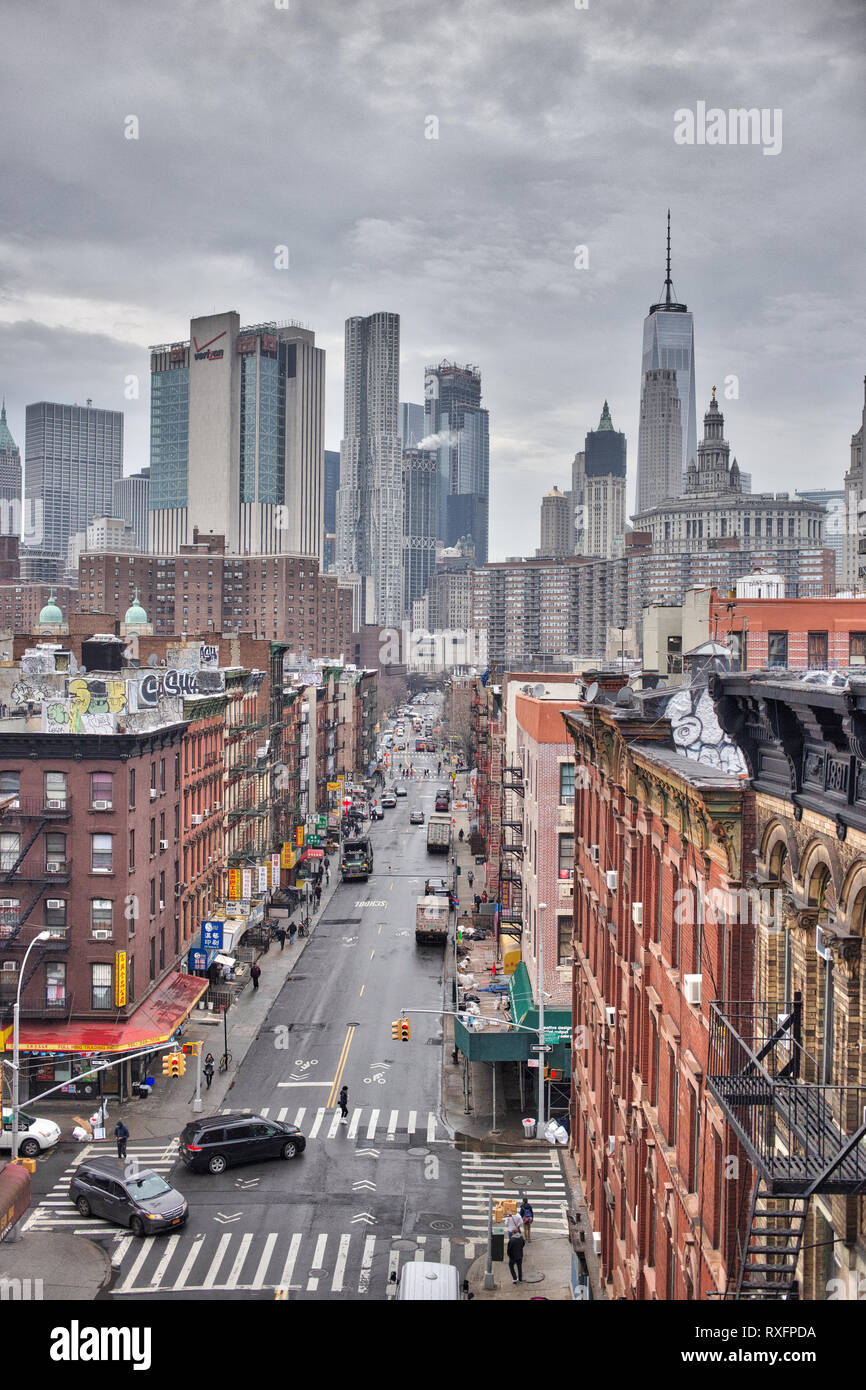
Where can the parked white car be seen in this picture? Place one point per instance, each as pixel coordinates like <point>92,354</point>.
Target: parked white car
<point>35,1136</point>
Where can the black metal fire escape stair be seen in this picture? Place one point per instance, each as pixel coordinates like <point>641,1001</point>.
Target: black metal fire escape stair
<point>768,1268</point>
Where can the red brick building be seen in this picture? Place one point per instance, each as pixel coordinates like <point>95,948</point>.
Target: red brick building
<point>810,633</point>
<point>658,838</point>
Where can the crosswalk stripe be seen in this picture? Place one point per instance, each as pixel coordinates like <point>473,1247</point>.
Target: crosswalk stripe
<point>413,1116</point>
<point>120,1250</point>
<point>291,1257</point>
<point>340,1266</point>
<point>314,1127</point>
<point>129,1281</point>
<point>300,1115</point>
<point>431,1127</point>
<point>265,1111</point>
<point>283,1113</point>
<point>262,1266</point>
<point>366,1264</point>
<point>316,1267</point>
<point>445,1256</point>
<point>334,1126</point>
<point>392,1123</point>
<point>197,1247</point>
<point>210,1277</point>
<point>371,1127</point>
<point>234,1276</point>
<point>170,1247</point>
<point>353,1123</point>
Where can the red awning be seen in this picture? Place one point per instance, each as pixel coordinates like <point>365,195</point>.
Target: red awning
<point>153,1022</point>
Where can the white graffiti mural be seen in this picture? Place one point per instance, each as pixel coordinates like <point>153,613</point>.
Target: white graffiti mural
<point>698,734</point>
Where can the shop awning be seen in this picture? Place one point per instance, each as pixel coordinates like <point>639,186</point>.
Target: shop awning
<point>153,1022</point>
<point>227,961</point>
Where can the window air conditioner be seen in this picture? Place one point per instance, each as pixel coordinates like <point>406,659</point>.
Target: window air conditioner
<point>637,914</point>
<point>692,988</point>
<point>55,866</point>
<point>55,904</point>
<point>610,1015</point>
<point>153,793</point>
<point>823,951</point>
<point>8,902</point>
<point>55,803</point>
<point>161,905</point>
<point>101,934</point>
<point>612,880</point>
<point>163,844</point>
<point>196,820</point>
<point>101,806</point>
<point>10,965</point>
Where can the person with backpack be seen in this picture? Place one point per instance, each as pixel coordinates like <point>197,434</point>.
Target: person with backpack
<point>526,1212</point>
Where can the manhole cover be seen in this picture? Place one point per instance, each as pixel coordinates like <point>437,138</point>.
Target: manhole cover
<point>524,1180</point>
<point>441,1225</point>
<point>404,1245</point>
<point>417,1153</point>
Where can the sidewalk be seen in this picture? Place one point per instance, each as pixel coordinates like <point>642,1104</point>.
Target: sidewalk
<point>54,1266</point>
<point>170,1106</point>
<point>546,1272</point>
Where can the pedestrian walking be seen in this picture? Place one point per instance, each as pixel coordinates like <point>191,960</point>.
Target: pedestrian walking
<point>477,901</point>
<point>484,897</point>
<point>293,930</point>
<point>255,972</point>
<point>515,1258</point>
<point>514,1224</point>
<point>121,1134</point>
<point>343,1102</point>
<point>208,1069</point>
<point>281,936</point>
<point>327,875</point>
<point>317,892</point>
<point>470,878</point>
<point>526,1212</point>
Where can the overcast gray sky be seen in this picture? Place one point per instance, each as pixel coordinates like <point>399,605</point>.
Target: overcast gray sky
<point>261,126</point>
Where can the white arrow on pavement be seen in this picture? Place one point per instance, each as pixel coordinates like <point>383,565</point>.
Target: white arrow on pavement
<point>223,1218</point>
<point>365,1182</point>
<point>366,1218</point>
<point>247,1182</point>
<point>366,1153</point>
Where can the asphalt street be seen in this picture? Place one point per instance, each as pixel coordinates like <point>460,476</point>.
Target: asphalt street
<point>384,1187</point>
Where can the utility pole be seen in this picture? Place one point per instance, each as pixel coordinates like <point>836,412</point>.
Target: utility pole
<point>542,908</point>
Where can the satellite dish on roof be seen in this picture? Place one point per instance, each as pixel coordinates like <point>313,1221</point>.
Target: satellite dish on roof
<point>538,691</point>
<point>592,692</point>
<point>152,659</point>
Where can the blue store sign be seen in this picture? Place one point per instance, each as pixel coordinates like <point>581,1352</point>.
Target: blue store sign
<point>212,935</point>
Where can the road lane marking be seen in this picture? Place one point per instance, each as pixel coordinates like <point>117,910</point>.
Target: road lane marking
<point>392,1124</point>
<point>133,1273</point>
<point>198,1245</point>
<point>303,1083</point>
<point>340,1266</point>
<point>210,1277</point>
<point>262,1267</point>
<point>332,1094</point>
<point>335,1125</point>
<point>234,1276</point>
<point>431,1127</point>
<point>300,1115</point>
<point>314,1127</point>
<point>393,1269</point>
<point>361,995</point>
<point>289,1266</point>
<point>413,1116</point>
<point>372,953</point>
<point>366,1264</point>
<point>120,1250</point>
<point>282,1114</point>
<point>353,1123</point>
<point>379,932</point>
<point>371,1127</point>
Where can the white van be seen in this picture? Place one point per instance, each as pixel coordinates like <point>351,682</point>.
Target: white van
<point>430,1283</point>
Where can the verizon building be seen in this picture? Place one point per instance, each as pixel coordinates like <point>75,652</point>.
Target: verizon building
<point>237,438</point>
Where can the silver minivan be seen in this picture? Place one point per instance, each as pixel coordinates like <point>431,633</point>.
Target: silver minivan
<point>422,1281</point>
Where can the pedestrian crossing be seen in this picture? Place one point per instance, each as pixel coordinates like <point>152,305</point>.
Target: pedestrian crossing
<point>364,1122</point>
<point>496,1175</point>
<point>283,1263</point>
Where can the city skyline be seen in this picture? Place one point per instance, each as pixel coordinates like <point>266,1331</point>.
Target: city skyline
<point>478,273</point>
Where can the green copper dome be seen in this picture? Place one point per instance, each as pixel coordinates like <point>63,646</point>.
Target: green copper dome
<point>51,613</point>
<point>135,614</point>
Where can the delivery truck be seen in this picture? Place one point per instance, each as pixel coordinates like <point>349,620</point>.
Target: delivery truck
<point>438,834</point>
<point>431,921</point>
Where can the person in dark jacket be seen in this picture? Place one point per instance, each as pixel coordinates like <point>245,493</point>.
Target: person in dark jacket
<point>281,936</point>
<point>343,1102</point>
<point>121,1134</point>
<point>255,972</point>
<point>526,1212</point>
<point>515,1257</point>
<point>208,1069</point>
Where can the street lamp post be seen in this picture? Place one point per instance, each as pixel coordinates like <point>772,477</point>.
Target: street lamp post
<point>542,908</point>
<point>16,1061</point>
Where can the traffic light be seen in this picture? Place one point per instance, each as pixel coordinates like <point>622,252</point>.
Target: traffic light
<point>395,1030</point>
<point>174,1064</point>
<point>405,1030</point>
<point>552,1074</point>
<point>166,1064</point>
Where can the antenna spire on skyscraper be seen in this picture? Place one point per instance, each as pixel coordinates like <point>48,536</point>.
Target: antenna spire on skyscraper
<point>668,274</point>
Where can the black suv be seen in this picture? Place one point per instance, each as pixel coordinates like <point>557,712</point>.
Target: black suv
<point>129,1196</point>
<point>216,1142</point>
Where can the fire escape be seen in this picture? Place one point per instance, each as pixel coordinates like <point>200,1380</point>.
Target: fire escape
<point>801,1138</point>
<point>511,854</point>
<point>32,814</point>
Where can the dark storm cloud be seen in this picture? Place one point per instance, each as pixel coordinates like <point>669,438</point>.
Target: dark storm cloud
<point>261,126</point>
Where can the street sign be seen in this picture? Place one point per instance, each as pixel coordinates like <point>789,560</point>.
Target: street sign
<point>539,1047</point>
<point>533,1062</point>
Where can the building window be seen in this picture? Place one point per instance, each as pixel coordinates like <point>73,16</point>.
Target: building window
<point>132,788</point>
<point>737,644</point>
<point>55,984</point>
<point>55,791</point>
<point>857,649</point>
<point>101,915</point>
<point>162,774</point>
<point>676,924</point>
<point>566,856</point>
<point>657,875</point>
<point>694,1140</point>
<point>131,851</point>
<point>102,853</point>
<point>565,951</point>
<point>153,897</point>
<point>777,649</point>
<point>55,915</point>
<point>152,961</point>
<point>152,836</point>
<point>100,985</point>
<point>100,791</point>
<point>55,853</point>
<point>10,849</point>
<point>10,785</point>
<point>674,1097</point>
<point>566,784</point>
<point>817,651</point>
